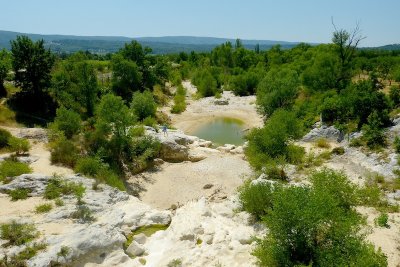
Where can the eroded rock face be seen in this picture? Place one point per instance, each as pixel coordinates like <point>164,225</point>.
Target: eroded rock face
<point>205,234</point>
<point>33,133</point>
<point>328,132</point>
<point>114,213</point>
<point>172,151</point>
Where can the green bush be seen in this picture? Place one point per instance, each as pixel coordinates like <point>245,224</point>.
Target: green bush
<point>205,82</point>
<point>338,150</point>
<point>316,226</point>
<point>323,143</point>
<point>19,145</point>
<point>64,152</point>
<point>356,142</point>
<point>382,220</point>
<point>272,141</point>
<point>257,198</point>
<point>56,188</point>
<point>111,179</point>
<point>18,194</point>
<point>88,166</point>
<point>18,233</point>
<point>4,137</point>
<point>67,121</point>
<point>179,100</point>
<point>143,105</point>
<point>10,168</point>
<point>396,144</point>
<point>295,154</point>
<point>43,208</point>
<point>373,132</point>
<point>83,214</point>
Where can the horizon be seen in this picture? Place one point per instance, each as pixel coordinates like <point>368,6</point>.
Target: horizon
<point>289,21</point>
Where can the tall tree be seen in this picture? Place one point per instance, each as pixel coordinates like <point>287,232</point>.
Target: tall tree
<point>32,64</point>
<point>5,66</point>
<point>346,45</point>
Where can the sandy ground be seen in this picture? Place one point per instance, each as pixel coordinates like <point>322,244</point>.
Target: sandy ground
<point>178,183</point>
<point>199,112</point>
<point>43,164</point>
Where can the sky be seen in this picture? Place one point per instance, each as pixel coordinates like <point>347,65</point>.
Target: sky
<point>283,20</point>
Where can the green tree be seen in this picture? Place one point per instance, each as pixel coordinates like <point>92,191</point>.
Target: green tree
<point>272,141</point>
<point>143,105</point>
<point>32,64</point>
<point>126,78</point>
<point>67,121</point>
<point>5,66</point>
<point>346,46</point>
<point>278,89</point>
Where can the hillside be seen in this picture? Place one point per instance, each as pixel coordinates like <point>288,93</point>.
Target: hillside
<point>159,45</point>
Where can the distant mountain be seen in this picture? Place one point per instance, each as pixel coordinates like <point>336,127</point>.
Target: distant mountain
<point>160,45</point>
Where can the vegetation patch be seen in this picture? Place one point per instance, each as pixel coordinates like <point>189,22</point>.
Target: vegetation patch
<point>11,168</point>
<point>19,194</point>
<point>18,233</point>
<point>43,208</point>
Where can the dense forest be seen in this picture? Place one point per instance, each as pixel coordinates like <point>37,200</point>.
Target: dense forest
<point>96,107</point>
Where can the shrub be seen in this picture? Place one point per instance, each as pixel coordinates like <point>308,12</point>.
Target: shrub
<point>67,121</point>
<point>88,166</point>
<point>373,132</point>
<point>64,152</point>
<point>179,100</point>
<point>19,145</point>
<point>394,95</point>
<point>338,150</point>
<point>83,214</point>
<point>59,202</point>
<point>175,263</point>
<point>56,188</point>
<point>323,143</point>
<point>143,105</point>
<point>295,154</point>
<point>316,226</point>
<point>4,137</point>
<point>271,141</point>
<point>19,194</point>
<point>382,220</point>
<point>206,83</point>
<point>396,144</point>
<point>257,198</point>
<point>18,233</point>
<point>30,251</point>
<point>10,168</point>
<point>110,178</point>
<point>43,208</point>
<point>356,142</point>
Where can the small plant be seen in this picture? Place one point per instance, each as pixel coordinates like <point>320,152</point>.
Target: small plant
<point>19,146</point>
<point>10,168</point>
<point>199,241</point>
<point>79,192</point>
<point>4,137</point>
<point>356,142</point>
<point>83,214</point>
<point>19,194</point>
<point>338,150</point>
<point>323,143</point>
<point>175,263</point>
<point>18,233</point>
<point>147,230</point>
<point>142,261</point>
<point>382,220</point>
<point>43,208</point>
<point>57,187</point>
<point>64,252</point>
<point>31,251</point>
<point>59,202</point>
<point>396,144</point>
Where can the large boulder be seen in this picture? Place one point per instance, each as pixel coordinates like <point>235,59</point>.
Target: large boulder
<point>328,132</point>
<point>172,151</point>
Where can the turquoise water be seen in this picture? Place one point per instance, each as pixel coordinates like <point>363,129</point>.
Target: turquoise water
<point>222,131</point>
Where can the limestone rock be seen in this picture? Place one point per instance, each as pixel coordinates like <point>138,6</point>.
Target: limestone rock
<point>329,132</point>
<point>172,151</point>
<point>140,238</point>
<point>135,249</point>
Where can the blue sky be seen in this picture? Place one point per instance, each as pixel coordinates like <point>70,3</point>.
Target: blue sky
<point>287,20</point>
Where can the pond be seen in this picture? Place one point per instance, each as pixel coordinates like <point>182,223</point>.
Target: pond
<point>222,131</point>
